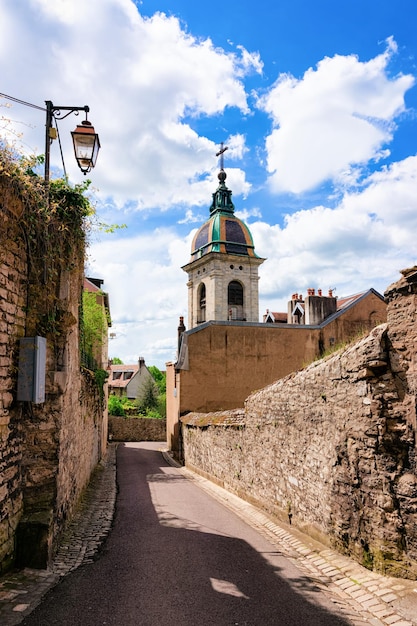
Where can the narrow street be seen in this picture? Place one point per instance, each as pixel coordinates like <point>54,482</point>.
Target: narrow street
<point>175,555</point>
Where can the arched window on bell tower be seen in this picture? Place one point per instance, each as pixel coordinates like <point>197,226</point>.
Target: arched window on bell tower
<point>201,315</point>
<point>235,301</point>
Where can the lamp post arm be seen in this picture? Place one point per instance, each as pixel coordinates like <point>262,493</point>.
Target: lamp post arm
<point>51,112</point>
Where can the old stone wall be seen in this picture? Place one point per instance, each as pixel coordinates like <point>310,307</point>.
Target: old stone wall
<point>136,429</point>
<point>47,450</point>
<point>13,292</point>
<point>332,447</point>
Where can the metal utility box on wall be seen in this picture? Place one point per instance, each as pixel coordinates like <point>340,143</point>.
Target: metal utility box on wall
<point>32,370</point>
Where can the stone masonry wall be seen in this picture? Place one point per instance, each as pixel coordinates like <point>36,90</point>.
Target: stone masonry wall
<point>136,429</point>
<point>80,416</point>
<point>47,450</point>
<point>331,448</point>
<point>12,301</point>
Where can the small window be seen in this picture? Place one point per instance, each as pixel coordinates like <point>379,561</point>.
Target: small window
<point>235,293</point>
<point>201,315</point>
<point>235,301</point>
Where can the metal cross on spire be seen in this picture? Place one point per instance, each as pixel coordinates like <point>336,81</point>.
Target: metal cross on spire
<point>220,153</point>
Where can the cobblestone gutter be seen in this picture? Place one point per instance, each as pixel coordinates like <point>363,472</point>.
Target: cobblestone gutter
<point>22,591</point>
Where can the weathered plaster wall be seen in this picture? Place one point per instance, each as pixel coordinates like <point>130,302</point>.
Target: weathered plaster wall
<point>47,451</point>
<point>331,448</point>
<point>364,315</point>
<point>172,417</point>
<point>136,429</point>
<point>228,361</point>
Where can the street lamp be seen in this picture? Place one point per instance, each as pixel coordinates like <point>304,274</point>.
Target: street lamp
<point>86,145</point>
<point>85,139</point>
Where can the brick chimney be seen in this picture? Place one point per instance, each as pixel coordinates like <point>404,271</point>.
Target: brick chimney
<point>319,307</point>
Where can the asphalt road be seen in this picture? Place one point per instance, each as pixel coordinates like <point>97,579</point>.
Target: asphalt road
<point>177,556</point>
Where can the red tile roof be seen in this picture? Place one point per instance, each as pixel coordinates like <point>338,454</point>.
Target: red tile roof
<point>121,382</point>
<point>89,286</point>
<point>276,316</point>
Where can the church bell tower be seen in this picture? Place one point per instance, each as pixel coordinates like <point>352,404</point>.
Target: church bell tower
<point>223,270</point>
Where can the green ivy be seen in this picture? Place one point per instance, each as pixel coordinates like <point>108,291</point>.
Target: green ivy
<point>53,226</point>
<point>94,324</point>
<point>100,378</point>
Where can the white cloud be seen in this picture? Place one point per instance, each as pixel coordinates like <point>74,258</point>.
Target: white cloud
<point>338,115</point>
<point>191,218</point>
<point>141,78</point>
<point>360,244</point>
<point>147,291</point>
<point>250,60</point>
<point>245,214</point>
<point>236,147</point>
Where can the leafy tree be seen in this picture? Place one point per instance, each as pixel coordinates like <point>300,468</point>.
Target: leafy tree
<point>116,361</point>
<point>159,377</point>
<point>148,398</point>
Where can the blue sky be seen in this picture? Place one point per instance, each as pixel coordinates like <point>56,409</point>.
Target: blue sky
<point>316,100</point>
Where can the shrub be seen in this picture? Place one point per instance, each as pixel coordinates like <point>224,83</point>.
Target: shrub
<point>162,407</point>
<point>153,414</point>
<point>159,378</point>
<point>115,406</point>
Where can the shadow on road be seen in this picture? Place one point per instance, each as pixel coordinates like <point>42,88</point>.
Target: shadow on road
<point>171,560</point>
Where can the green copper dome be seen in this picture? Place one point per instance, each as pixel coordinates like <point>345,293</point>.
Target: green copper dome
<point>223,232</point>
